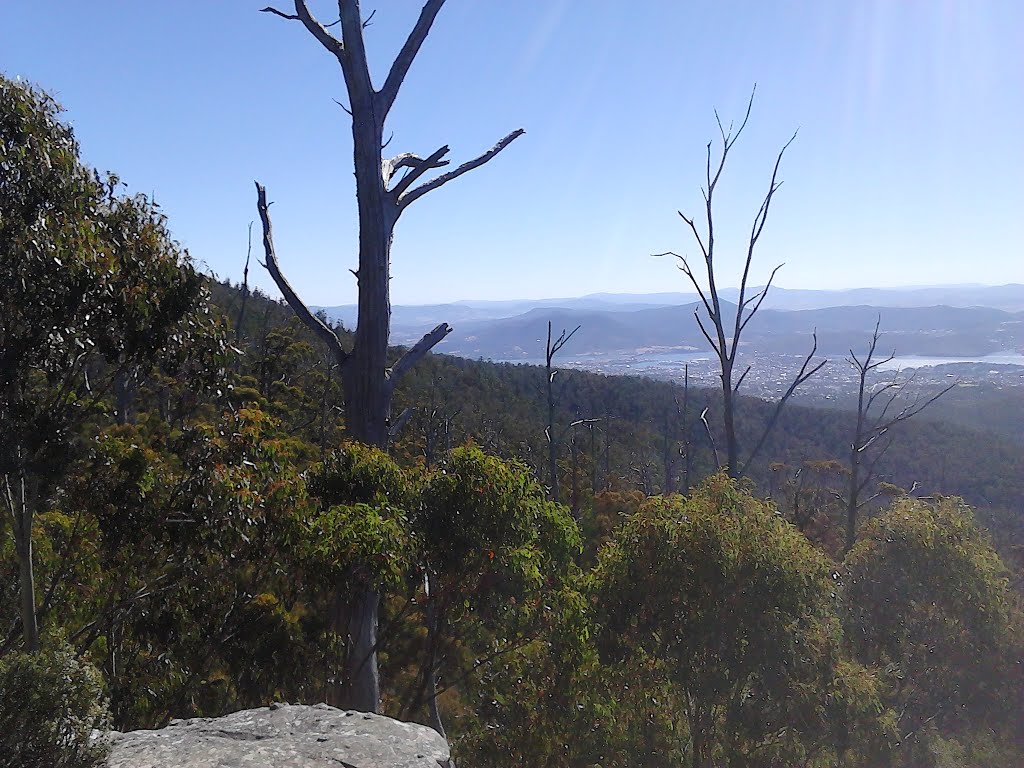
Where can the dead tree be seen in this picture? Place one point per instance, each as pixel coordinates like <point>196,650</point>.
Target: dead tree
<point>239,322</point>
<point>385,188</point>
<point>727,326</point>
<point>878,410</point>
<point>553,348</point>
<point>685,418</point>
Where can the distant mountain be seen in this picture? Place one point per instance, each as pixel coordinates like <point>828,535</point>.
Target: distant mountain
<point>912,331</point>
<point>1009,297</point>
<point>409,322</point>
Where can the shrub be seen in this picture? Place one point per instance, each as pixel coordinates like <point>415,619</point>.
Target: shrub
<point>52,711</point>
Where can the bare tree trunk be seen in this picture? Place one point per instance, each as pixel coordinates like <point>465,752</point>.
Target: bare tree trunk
<point>430,665</point>
<point>552,438</point>
<point>123,395</point>
<point>363,693</point>
<point>367,381</point>
<point>874,422</point>
<point>574,496</point>
<point>552,348</point>
<point>729,422</point>
<point>725,332</point>
<point>853,488</point>
<point>240,321</point>
<point>686,430</point>
<point>607,451</point>
<point>22,514</point>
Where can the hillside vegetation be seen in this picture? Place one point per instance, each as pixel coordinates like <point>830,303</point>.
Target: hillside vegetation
<point>187,531</point>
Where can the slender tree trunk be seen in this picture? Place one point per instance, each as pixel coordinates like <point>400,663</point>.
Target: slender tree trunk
<point>686,429</point>
<point>363,690</point>
<point>431,662</point>
<point>593,461</point>
<point>552,444</point>
<point>607,451</point>
<point>853,490</point>
<point>574,498</point>
<point>23,519</point>
<point>366,380</point>
<point>729,422</point>
<point>123,395</point>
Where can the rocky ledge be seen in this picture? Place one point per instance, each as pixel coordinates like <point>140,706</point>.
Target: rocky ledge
<point>282,736</point>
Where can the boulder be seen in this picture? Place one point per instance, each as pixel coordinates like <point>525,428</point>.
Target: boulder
<point>282,736</point>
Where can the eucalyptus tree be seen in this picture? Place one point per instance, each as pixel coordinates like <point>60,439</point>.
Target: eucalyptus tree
<point>730,607</point>
<point>91,289</point>
<point>727,324</point>
<point>929,605</point>
<point>385,188</point>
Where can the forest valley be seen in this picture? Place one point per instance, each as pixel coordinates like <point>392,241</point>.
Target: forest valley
<point>564,574</point>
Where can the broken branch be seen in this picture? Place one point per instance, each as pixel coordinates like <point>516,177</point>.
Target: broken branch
<point>314,323</point>
<point>444,178</point>
<point>417,351</point>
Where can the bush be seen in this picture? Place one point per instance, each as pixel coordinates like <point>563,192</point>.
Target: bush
<point>51,705</point>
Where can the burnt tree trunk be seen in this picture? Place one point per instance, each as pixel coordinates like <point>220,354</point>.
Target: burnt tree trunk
<point>367,381</point>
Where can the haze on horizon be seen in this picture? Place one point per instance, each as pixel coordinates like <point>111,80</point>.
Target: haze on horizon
<point>907,169</point>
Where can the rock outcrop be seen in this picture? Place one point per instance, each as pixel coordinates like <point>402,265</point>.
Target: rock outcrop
<point>282,736</point>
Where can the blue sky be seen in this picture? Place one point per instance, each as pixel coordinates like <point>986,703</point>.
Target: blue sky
<point>908,168</point>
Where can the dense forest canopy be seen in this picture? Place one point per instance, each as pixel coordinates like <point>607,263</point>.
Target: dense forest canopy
<point>564,573</point>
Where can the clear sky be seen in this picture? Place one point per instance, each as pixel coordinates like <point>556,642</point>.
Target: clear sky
<point>908,168</point>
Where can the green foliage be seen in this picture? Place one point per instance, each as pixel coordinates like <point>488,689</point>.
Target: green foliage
<point>929,604</point>
<point>361,533</point>
<point>735,610</point>
<point>481,514</point>
<point>52,712</point>
<point>200,550</point>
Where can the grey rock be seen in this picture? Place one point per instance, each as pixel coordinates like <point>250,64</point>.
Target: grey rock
<point>282,736</point>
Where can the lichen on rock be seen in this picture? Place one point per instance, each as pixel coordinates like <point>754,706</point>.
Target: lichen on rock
<point>282,736</point>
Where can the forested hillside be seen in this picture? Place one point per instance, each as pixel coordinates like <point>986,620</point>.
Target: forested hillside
<point>637,436</point>
<point>214,500</point>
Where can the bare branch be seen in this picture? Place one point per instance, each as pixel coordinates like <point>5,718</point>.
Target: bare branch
<point>282,14</point>
<point>400,422</point>
<point>406,160</point>
<point>311,321</point>
<point>802,375</point>
<point>351,55</point>
<point>444,178</point>
<point>400,67</point>
<point>918,406</point>
<point>561,341</point>
<point>760,219</point>
<point>758,298</point>
<point>714,345</point>
<point>417,351</point>
<point>696,233</point>
<point>432,161</point>
<point>684,267</point>
<point>314,27</point>
<point>711,437</point>
<point>736,387</point>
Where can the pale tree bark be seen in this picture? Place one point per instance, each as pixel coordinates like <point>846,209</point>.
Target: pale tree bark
<point>553,347</point>
<point>367,381</point>
<point>727,327</point>
<point>22,514</point>
<point>879,409</point>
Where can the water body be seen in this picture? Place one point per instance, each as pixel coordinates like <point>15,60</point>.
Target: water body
<point>915,361</point>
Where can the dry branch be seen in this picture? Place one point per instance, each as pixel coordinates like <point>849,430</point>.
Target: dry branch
<point>400,67</point>
<point>314,323</point>
<point>444,178</point>
<point>417,351</point>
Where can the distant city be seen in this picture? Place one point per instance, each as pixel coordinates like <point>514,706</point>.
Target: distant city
<point>972,334</point>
